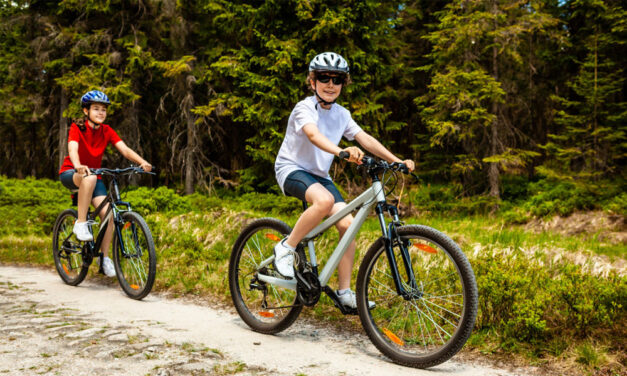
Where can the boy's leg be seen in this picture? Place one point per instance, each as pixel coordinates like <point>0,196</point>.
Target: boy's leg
<point>321,204</point>
<point>345,268</point>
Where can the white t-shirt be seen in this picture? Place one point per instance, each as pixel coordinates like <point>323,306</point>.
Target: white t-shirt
<point>298,153</point>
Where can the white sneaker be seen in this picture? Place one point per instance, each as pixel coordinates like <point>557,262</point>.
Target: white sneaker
<point>107,267</point>
<point>284,259</point>
<point>81,230</point>
<point>349,300</point>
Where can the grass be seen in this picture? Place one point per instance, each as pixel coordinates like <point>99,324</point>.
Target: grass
<point>532,304</point>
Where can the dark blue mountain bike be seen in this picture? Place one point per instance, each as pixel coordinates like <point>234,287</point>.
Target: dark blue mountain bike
<point>133,248</point>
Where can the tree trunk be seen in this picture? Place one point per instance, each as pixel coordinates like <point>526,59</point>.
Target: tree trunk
<point>63,130</point>
<point>493,169</point>
<point>189,153</point>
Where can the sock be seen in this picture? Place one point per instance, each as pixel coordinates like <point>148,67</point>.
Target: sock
<point>283,243</point>
<point>342,292</point>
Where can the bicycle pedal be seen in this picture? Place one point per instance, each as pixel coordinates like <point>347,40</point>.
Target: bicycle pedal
<point>347,310</point>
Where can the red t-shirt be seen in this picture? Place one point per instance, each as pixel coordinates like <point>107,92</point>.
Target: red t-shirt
<point>91,145</point>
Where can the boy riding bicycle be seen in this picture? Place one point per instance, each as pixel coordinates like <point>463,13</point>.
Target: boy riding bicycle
<point>314,130</point>
<point>87,140</point>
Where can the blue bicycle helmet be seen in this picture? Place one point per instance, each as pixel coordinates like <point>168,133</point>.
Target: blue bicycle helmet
<point>94,96</point>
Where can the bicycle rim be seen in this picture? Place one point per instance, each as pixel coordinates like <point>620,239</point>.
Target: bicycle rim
<point>433,323</point>
<point>264,307</point>
<point>136,260</point>
<point>67,250</point>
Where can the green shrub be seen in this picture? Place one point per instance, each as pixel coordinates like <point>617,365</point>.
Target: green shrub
<point>270,203</point>
<point>448,199</point>
<point>618,204</point>
<point>548,197</point>
<point>532,301</point>
<point>145,200</point>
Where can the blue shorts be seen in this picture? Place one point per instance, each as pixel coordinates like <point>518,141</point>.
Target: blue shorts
<point>297,182</point>
<point>66,178</point>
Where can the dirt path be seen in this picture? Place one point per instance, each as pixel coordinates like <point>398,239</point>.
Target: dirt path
<point>48,328</point>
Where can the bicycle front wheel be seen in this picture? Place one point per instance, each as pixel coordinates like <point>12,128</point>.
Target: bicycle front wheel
<point>67,250</point>
<point>134,256</point>
<point>430,322</point>
<point>265,307</point>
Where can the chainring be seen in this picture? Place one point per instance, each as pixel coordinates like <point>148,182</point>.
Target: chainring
<point>308,295</point>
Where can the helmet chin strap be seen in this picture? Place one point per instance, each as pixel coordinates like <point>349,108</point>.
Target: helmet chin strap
<point>320,100</point>
<point>96,125</point>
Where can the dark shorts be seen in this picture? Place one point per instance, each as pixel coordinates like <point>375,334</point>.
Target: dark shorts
<point>68,182</point>
<point>297,182</point>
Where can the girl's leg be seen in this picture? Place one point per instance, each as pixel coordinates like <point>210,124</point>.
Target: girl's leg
<point>345,268</point>
<point>86,187</point>
<point>321,204</point>
<point>106,240</point>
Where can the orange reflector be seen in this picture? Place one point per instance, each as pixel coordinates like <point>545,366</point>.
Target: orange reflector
<point>273,237</point>
<point>126,225</point>
<point>65,269</point>
<point>426,248</point>
<point>266,314</point>
<point>134,287</point>
<point>393,337</point>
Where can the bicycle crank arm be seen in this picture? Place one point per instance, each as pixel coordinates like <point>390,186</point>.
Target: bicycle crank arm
<point>286,283</point>
<point>345,310</point>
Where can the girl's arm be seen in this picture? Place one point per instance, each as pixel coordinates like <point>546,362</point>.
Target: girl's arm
<point>72,148</point>
<point>375,147</point>
<point>129,154</point>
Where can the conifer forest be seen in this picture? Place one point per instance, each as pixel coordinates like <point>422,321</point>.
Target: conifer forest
<point>477,92</point>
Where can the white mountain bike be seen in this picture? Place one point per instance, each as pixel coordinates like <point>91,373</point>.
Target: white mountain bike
<point>421,282</point>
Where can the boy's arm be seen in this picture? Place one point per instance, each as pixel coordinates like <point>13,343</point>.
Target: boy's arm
<point>375,147</point>
<point>323,143</point>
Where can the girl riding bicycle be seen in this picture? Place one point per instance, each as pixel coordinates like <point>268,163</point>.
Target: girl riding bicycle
<point>87,140</point>
<point>314,130</point>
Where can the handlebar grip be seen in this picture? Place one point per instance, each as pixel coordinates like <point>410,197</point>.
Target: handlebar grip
<point>343,155</point>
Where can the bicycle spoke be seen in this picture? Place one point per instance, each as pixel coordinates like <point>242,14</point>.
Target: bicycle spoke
<point>428,296</point>
<point>435,323</point>
<point>437,279</point>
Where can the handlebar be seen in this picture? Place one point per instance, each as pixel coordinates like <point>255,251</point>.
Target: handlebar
<point>120,171</point>
<point>370,162</point>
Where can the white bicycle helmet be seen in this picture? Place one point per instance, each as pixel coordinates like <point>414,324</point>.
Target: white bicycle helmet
<point>328,62</point>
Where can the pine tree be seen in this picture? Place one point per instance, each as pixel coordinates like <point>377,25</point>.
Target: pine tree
<point>476,49</point>
<point>592,118</point>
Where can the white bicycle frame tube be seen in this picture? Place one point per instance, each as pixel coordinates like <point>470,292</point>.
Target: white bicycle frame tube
<point>364,203</point>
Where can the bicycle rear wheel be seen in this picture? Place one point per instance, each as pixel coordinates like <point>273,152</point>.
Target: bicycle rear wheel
<point>266,308</point>
<point>67,250</point>
<point>431,323</point>
<point>135,262</point>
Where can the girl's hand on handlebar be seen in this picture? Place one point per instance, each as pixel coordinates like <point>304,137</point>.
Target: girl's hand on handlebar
<point>354,154</point>
<point>146,166</point>
<point>82,169</point>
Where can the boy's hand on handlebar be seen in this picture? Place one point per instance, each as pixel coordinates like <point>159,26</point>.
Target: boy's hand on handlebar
<point>146,166</point>
<point>354,154</point>
<point>410,164</point>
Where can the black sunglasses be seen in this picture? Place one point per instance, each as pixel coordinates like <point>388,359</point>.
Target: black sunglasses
<point>337,80</point>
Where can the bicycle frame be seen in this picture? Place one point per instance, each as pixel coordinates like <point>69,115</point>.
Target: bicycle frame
<point>364,202</point>
<point>113,198</point>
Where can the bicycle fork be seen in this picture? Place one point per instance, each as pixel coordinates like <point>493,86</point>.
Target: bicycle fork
<point>391,238</point>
